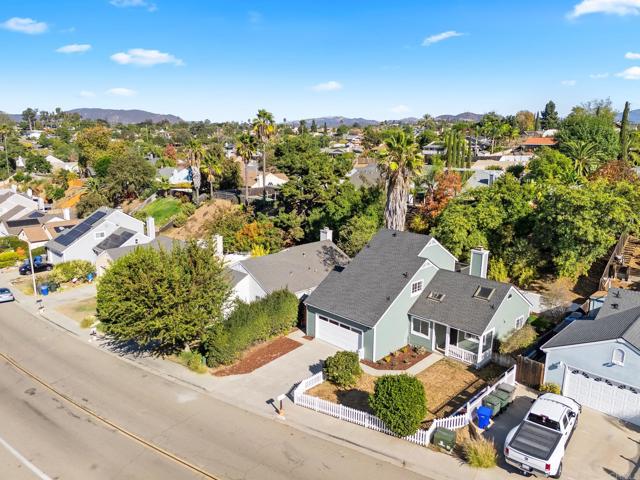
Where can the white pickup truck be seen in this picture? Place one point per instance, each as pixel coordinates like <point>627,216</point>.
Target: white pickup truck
<point>537,445</point>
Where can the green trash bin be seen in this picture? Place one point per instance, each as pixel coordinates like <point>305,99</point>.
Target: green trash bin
<point>510,390</point>
<point>504,397</point>
<point>53,286</point>
<point>494,403</point>
<point>444,438</point>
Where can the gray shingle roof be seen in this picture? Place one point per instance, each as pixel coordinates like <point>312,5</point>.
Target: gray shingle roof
<point>157,243</point>
<point>79,230</point>
<point>460,308</point>
<point>366,287</point>
<point>619,317</point>
<point>296,268</point>
<point>118,238</point>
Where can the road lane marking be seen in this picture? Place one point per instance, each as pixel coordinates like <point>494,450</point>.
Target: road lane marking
<point>36,471</point>
<point>123,431</point>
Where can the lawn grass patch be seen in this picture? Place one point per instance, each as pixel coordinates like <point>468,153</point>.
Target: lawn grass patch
<point>79,310</point>
<point>162,210</point>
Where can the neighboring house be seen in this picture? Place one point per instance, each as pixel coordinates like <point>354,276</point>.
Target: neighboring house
<point>106,257</point>
<point>533,143</point>
<point>57,164</point>
<point>365,176</point>
<point>104,229</point>
<point>38,235</point>
<point>434,148</point>
<point>402,288</point>
<point>596,361</point>
<point>254,177</point>
<point>14,205</point>
<point>482,178</point>
<point>298,269</point>
<point>176,176</point>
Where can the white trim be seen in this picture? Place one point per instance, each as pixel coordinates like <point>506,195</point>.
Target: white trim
<point>420,334</point>
<point>491,331</point>
<point>433,242</point>
<point>521,296</point>
<point>599,342</point>
<point>524,321</point>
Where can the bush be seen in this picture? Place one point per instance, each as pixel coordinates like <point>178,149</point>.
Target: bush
<point>480,453</point>
<point>550,388</point>
<point>12,243</point>
<point>8,259</point>
<point>180,220</point>
<point>251,323</point>
<point>519,340</point>
<point>87,321</point>
<point>399,401</point>
<point>193,361</point>
<point>40,251</point>
<point>343,369</point>
<point>67,271</point>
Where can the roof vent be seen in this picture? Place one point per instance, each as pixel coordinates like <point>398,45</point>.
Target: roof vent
<point>614,306</point>
<point>616,293</point>
<point>394,234</point>
<point>388,298</point>
<point>405,274</point>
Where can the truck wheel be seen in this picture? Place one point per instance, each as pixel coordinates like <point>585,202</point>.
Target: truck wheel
<point>557,475</point>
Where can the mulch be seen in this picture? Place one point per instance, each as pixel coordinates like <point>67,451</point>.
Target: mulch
<point>398,361</point>
<point>258,356</point>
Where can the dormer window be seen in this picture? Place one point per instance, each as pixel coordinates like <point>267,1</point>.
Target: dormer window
<point>484,293</point>
<point>416,287</point>
<point>618,357</point>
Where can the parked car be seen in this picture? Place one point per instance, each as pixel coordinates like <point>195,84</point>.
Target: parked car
<point>537,445</point>
<point>25,268</point>
<point>6,295</point>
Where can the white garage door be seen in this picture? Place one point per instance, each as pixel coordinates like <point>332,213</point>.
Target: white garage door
<point>338,334</point>
<point>613,398</point>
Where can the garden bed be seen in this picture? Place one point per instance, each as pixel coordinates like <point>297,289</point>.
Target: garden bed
<point>401,359</point>
<point>258,356</point>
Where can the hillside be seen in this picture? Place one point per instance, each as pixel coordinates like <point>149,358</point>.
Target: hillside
<point>634,116</point>
<point>461,117</point>
<point>124,116</point>
<point>333,122</point>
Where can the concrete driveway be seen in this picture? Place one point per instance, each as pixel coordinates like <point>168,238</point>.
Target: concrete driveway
<point>602,447</point>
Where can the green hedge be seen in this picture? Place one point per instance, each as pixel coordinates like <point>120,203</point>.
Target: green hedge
<point>8,259</point>
<point>251,323</point>
<point>400,402</point>
<point>67,271</point>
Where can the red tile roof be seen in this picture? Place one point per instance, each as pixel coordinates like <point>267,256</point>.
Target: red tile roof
<point>539,141</point>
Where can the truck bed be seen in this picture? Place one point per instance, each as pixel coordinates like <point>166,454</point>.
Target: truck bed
<point>535,441</point>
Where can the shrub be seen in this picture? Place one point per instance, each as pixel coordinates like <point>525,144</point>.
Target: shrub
<point>498,270</point>
<point>67,271</point>
<point>40,251</point>
<point>399,401</point>
<point>251,323</point>
<point>193,361</point>
<point>188,208</point>
<point>12,243</point>
<point>550,388</point>
<point>180,220</point>
<point>480,453</point>
<point>8,259</point>
<point>343,369</point>
<point>87,321</point>
<point>519,340</point>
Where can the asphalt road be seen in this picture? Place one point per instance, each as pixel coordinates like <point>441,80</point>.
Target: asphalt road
<point>63,441</point>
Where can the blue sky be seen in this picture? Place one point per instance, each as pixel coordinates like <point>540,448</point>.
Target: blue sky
<point>223,60</point>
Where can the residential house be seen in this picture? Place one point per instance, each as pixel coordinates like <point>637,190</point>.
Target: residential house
<point>596,360</point>
<point>57,164</point>
<point>38,235</point>
<point>299,269</point>
<point>482,178</point>
<point>403,288</point>
<point>434,148</point>
<point>178,177</point>
<point>104,229</point>
<point>254,177</point>
<point>533,143</point>
<point>107,256</point>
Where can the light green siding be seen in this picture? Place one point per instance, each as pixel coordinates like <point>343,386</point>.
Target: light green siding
<point>367,333</point>
<point>420,341</point>
<point>504,320</point>
<point>392,330</point>
<point>439,256</point>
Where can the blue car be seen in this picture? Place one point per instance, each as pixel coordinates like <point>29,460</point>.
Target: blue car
<point>6,295</point>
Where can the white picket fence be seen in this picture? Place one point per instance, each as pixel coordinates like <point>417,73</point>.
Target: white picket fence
<point>422,437</point>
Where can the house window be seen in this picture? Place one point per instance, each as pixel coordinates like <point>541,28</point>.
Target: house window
<point>100,235</point>
<point>487,341</point>
<point>438,297</point>
<point>484,293</point>
<point>519,322</point>
<point>471,337</point>
<point>421,327</point>
<point>416,287</point>
<point>618,357</point>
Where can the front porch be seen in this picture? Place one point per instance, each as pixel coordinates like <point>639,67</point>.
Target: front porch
<point>455,343</point>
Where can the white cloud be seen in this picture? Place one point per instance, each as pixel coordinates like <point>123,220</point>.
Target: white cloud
<point>568,83</point>
<point>121,92</point>
<point>152,7</point>
<point>330,86</point>
<point>400,109</point>
<point>631,73</point>
<point>87,94</point>
<point>145,58</point>
<point>25,25</point>
<point>440,37</point>
<point>255,17</point>
<point>598,76</point>
<point>612,7</point>
<point>632,56</point>
<point>74,48</point>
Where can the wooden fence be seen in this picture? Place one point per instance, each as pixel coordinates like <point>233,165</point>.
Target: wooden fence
<point>530,372</point>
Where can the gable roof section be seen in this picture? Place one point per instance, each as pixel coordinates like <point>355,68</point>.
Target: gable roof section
<point>297,268</point>
<point>364,289</point>
<point>618,318</point>
<point>35,234</point>
<point>460,307</point>
<point>118,238</point>
<point>70,236</point>
<point>157,243</point>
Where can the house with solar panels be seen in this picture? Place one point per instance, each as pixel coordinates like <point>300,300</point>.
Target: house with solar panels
<point>104,229</point>
<point>407,289</point>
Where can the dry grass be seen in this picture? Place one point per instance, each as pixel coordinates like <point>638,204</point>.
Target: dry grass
<point>196,226</point>
<point>80,310</point>
<point>356,397</point>
<point>480,452</point>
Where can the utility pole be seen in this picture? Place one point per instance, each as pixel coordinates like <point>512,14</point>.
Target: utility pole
<point>33,272</point>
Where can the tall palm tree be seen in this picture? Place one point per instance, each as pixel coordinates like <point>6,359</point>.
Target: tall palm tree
<point>400,161</point>
<point>264,127</point>
<point>195,152</point>
<point>584,155</point>
<point>5,131</point>
<point>212,165</point>
<point>246,148</point>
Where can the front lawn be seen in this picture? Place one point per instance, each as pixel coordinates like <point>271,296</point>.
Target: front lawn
<point>162,210</point>
<point>79,310</point>
<point>448,385</point>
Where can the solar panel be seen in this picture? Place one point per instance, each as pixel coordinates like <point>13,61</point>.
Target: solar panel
<point>23,222</point>
<point>94,217</point>
<point>73,234</point>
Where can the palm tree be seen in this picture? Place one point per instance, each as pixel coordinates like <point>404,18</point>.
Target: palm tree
<point>212,164</point>
<point>584,155</point>
<point>5,131</point>
<point>246,148</point>
<point>400,161</point>
<point>264,127</point>
<point>195,152</point>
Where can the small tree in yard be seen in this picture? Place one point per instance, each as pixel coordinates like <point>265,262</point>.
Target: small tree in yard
<point>167,299</point>
<point>343,369</point>
<point>399,401</point>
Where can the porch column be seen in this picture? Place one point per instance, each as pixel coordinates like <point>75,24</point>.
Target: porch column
<point>480,341</point>
<point>446,343</point>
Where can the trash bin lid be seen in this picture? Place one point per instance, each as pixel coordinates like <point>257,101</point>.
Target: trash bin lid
<point>484,411</point>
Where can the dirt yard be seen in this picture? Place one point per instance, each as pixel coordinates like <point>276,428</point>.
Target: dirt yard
<point>448,385</point>
<point>196,226</point>
<point>78,311</point>
<point>258,356</point>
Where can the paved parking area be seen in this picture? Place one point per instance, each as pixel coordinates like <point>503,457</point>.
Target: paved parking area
<point>601,448</point>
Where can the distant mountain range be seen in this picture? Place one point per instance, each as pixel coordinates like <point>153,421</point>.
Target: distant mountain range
<point>333,122</point>
<point>461,117</point>
<point>634,116</point>
<point>115,116</point>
